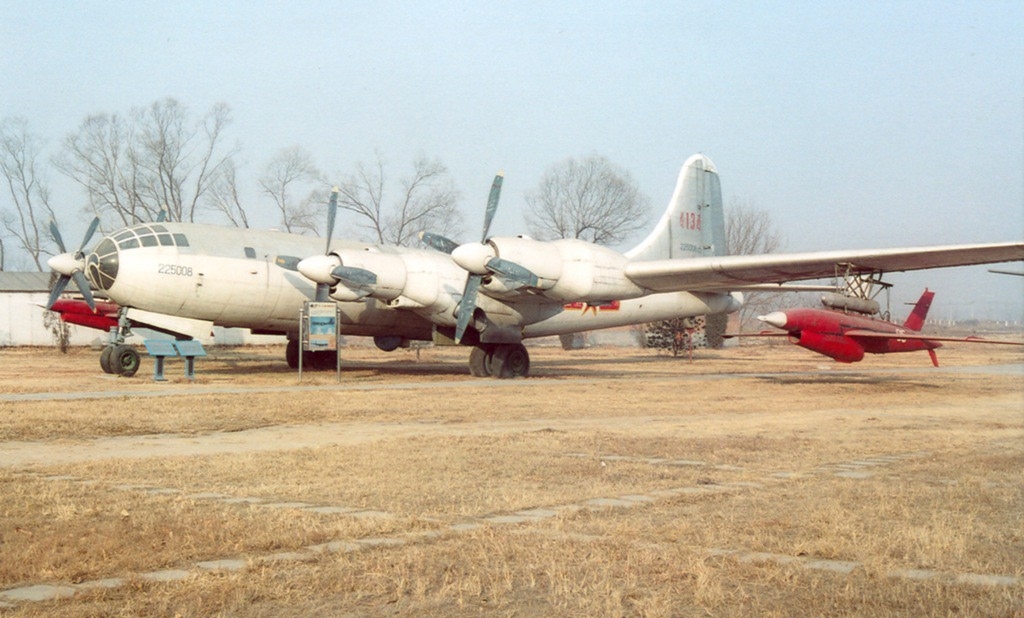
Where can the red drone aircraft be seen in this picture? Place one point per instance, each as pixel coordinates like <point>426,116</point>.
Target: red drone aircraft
<point>79,312</point>
<point>845,331</point>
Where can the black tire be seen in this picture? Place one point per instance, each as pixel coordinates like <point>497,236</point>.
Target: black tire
<point>480,359</point>
<point>105,359</point>
<point>125,360</point>
<point>510,361</point>
<point>291,353</point>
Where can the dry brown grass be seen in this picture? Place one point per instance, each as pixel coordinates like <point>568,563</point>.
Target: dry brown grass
<point>759,452</point>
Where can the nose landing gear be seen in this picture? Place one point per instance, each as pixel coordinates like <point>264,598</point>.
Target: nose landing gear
<point>117,357</point>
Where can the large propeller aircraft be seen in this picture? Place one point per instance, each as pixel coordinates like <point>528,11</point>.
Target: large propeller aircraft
<point>491,295</point>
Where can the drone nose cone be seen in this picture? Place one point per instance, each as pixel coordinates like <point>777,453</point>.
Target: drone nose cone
<point>775,318</point>
<point>473,257</point>
<point>318,268</point>
<point>65,263</point>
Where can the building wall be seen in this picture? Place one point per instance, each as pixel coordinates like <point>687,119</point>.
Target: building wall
<point>21,324</point>
<point>21,321</point>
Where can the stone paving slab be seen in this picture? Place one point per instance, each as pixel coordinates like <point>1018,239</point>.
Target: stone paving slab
<point>168,575</point>
<point>285,505</point>
<point>42,592</point>
<point>855,475</point>
<point>228,564</point>
<point>609,502</point>
<point>330,510</point>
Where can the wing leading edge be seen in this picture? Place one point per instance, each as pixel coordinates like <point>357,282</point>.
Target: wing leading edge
<point>734,272</point>
<point>857,333</point>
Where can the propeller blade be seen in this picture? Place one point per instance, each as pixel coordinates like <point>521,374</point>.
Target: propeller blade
<point>58,289</point>
<point>354,276</point>
<point>332,212</point>
<point>55,234</point>
<point>88,233</point>
<point>436,241</point>
<point>492,204</point>
<point>83,286</point>
<point>474,254</point>
<point>467,306</point>
<point>288,262</point>
<point>513,271</point>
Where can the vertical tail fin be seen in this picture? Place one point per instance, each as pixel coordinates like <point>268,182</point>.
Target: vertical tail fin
<point>916,318</point>
<point>694,222</point>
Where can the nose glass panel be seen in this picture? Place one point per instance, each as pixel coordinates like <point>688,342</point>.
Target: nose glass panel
<point>102,264</point>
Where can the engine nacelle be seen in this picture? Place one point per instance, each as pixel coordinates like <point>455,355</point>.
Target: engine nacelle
<point>387,267</point>
<point>570,270</point>
<point>842,349</point>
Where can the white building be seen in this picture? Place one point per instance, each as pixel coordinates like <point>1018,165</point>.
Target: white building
<point>23,318</point>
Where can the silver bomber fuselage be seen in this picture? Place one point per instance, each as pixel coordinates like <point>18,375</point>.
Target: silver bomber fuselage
<point>228,276</point>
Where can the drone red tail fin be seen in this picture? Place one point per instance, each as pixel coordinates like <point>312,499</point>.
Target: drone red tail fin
<point>916,318</point>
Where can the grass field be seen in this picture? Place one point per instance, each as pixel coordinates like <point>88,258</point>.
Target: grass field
<point>758,481</point>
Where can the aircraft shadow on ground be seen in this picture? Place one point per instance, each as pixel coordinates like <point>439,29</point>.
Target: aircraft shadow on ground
<point>859,379</point>
<point>396,368</point>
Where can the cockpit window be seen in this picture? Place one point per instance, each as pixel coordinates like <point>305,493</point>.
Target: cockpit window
<point>148,236</point>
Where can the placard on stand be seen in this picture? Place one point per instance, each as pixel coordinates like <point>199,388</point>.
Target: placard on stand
<point>318,331</point>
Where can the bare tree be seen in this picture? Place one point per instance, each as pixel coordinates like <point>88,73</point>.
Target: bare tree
<point>295,185</point>
<point>425,201</point>
<point>223,195</point>
<point>750,231</point>
<point>30,208</point>
<point>591,199</point>
<point>157,159</point>
<point>100,158</point>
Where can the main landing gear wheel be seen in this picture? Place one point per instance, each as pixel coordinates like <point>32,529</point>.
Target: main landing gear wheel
<point>323,360</point>
<point>291,353</point>
<point>122,360</point>
<point>480,361</point>
<point>499,361</point>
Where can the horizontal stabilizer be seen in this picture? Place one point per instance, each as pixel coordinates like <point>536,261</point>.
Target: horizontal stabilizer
<point>870,334</point>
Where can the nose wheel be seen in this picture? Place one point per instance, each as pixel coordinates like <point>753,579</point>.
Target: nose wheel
<point>118,358</point>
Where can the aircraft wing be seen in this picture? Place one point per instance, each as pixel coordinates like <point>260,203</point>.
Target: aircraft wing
<point>857,333</point>
<point>734,272</point>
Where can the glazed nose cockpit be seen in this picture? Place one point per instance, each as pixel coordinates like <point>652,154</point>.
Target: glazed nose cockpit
<point>103,263</point>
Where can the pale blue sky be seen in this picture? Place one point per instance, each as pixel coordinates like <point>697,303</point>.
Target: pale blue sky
<point>868,124</point>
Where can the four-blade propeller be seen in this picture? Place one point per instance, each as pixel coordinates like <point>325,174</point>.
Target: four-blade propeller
<point>327,270</point>
<point>479,260</point>
<point>71,265</point>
